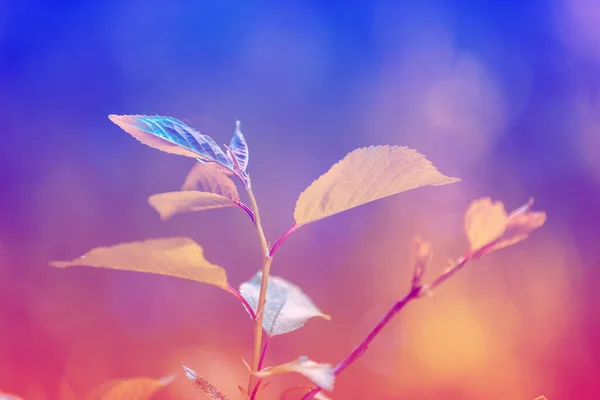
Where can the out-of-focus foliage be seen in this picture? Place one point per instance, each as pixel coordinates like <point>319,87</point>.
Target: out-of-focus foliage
<point>129,389</point>
<point>488,224</point>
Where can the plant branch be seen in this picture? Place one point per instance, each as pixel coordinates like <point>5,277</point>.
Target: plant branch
<point>242,300</point>
<point>417,291</point>
<point>267,259</point>
<point>282,239</point>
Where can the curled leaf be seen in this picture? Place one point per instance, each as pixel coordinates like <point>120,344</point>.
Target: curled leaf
<point>489,228</point>
<point>129,389</point>
<point>239,147</point>
<point>365,175</point>
<point>204,386</point>
<point>172,136</point>
<point>286,308</point>
<point>320,374</point>
<point>178,257</point>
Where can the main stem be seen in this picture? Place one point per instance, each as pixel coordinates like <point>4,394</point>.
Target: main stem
<point>267,259</point>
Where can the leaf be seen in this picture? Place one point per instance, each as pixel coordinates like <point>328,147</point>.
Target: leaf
<point>485,221</point>
<point>320,374</point>
<point>239,147</point>
<point>366,175</point>
<point>488,227</point>
<point>204,386</point>
<point>206,179</point>
<point>286,309</point>
<point>172,136</point>
<point>217,191</point>
<point>521,223</point>
<point>129,389</point>
<point>171,203</point>
<point>178,257</point>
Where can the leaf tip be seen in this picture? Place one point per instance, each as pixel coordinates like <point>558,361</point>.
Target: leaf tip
<point>189,373</point>
<point>326,317</point>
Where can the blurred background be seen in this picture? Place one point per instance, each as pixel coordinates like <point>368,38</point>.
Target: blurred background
<point>503,94</point>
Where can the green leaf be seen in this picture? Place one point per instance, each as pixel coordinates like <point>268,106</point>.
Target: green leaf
<point>204,386</point>
<point>178,257</point>
<point>320,374</point>
<point>286,309</point>
<point>129,389</point>
<point>366,175</point>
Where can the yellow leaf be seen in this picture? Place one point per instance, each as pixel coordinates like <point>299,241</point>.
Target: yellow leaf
<point>205,188</point>
<point>365,175</point>
<point>171,203</point>
<point>485,221</point>
<point>129,389</point>
<point>204,386</point>
<point>320,374</point>
<point>207,179</point>
<point>178,257</point>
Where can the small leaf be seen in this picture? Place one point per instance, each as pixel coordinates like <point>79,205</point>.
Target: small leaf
<point>485,221</point>
<point>490,228</point>
<point>204,386</point>
<point>366,175</point>
<point>521,223</point>
<point>129,389</point>
<point>320,374</point>
<point>239,147</point>
<point>172,203</point>
<point>204,189</point>
<point>286,309</point>
<point>178,257</point>
<point>172,136</point>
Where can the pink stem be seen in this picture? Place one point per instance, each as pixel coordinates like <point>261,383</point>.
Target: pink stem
<point>415,293</point>
<point>282,239</point>
<point>242,300</point>
<point>247,209</point>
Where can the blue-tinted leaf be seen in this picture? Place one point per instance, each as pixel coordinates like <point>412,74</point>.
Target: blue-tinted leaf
<point>239,147</point>
<point>286,308</point>
<point>204,386</point>
<point>172,136</point>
